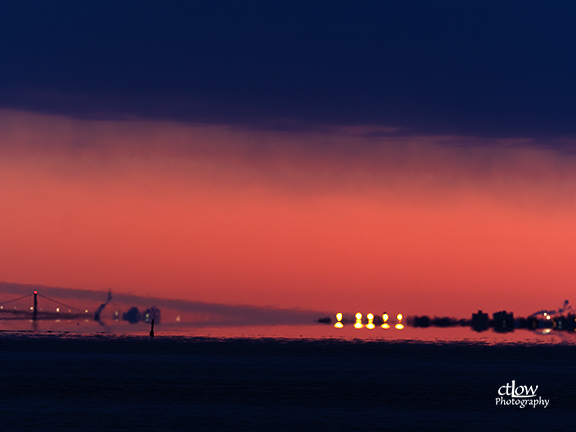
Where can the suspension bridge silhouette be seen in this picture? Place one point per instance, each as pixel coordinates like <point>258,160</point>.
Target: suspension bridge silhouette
<point>36,306</point>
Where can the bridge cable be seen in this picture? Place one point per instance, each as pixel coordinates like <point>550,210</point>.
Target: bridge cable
<point>19,298</point>
<point>63,304</point>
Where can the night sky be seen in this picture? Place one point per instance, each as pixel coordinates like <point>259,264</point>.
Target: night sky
<point>329,155</point>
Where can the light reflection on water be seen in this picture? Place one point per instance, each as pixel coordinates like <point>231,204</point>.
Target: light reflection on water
<point>314,331</point>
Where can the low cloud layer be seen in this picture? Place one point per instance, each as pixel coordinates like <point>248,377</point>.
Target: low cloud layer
<point>483,69</point>
<point>337,158</point>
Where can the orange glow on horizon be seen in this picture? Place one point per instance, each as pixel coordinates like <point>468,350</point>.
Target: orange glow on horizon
<point>218,215</point>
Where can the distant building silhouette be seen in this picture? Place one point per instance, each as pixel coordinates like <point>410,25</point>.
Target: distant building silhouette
<point>421,321</point>
<point>151,314</point>
<point>503,321</point>
<point>480,321</point>
<point>133,315</point>
<point>444,322</point>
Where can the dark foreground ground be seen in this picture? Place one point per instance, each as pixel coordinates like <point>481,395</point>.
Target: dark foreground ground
<point>55,383</point>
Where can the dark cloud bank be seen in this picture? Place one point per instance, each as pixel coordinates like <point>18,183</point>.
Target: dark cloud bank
<point>220,314</point>
<point>479,68</point>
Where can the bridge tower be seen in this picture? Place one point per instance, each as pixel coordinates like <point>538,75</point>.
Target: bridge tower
<point>35,305</point>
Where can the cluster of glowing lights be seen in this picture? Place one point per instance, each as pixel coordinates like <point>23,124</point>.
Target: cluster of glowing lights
<point>370,324</point>
<point>338,321</point>
<point>399,326</point>
<point>358,324</point>
<point>385,325</point>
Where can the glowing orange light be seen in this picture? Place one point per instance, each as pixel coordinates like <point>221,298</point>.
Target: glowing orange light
<point>338,321</point>
<point>399,326</point>
<point>370,324</point>
<point>358,324</point>
<point>385,318</point>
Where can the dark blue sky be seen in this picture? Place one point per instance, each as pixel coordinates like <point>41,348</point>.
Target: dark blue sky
<point>483,68</point>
